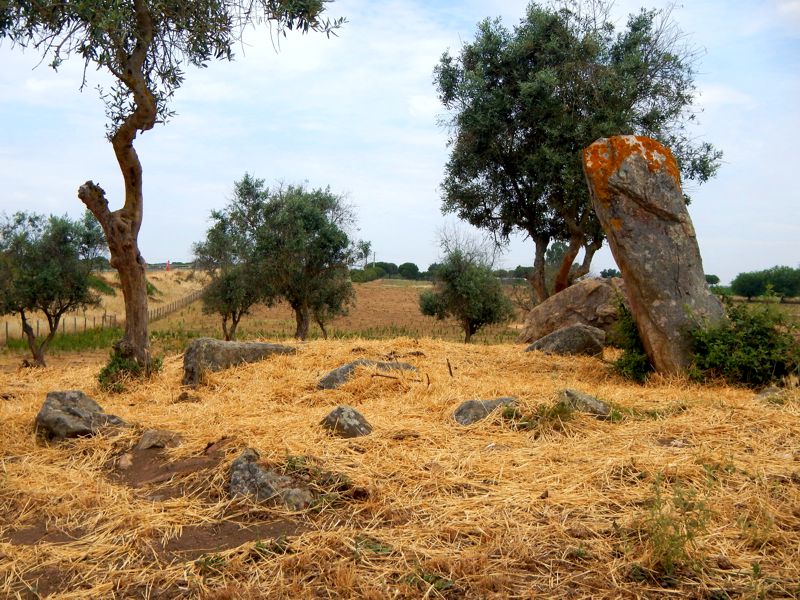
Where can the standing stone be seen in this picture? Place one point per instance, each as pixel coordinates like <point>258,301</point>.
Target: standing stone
<point>636,192</point>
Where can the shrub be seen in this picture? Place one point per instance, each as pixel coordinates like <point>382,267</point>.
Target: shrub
<point>751,347</point>
<point>119,369</point>
<point>634,363</point>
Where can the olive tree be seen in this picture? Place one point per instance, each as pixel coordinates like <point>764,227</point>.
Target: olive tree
<point>46,265</point>
<point>145,45</point>
<point>524,102</point>
<point>466,289</point>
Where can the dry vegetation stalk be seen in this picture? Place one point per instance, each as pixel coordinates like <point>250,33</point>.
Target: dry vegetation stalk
<point>485,511</point>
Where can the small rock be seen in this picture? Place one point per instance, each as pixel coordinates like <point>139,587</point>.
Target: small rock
<point>72,414</point>
<point>341,374</point>
<point>207,354</point>
<point>772,394</point>
<point>248,478</point>
<point>724,563</point>
<point>158,438</point>
<point>347,422</point>
<point>187,397</point>
<point>585,403</point>
<point>125,461</point>
<point>472,411</point>
<point>575,339</point>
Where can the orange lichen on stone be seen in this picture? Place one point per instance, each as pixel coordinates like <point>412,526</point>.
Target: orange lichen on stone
<point>605,156</point>
<point>616,224</point>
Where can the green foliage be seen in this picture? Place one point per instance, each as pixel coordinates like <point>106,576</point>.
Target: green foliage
<point>387,267</point>
<point>152,290</point>
<point>671,526</point>
<point>468,292</point>
<point>546,417</point>
<point>607,273</point>
<point>783,281</point>
<point>46,265</point>
<point>712,279</point>
<point>633,363</point>
<point>365,275</point>
<point>100,285</point>
<point>752,346</point>
<point>91,339</point>
<point>408,270</point>
<point>210,564</point>
<point>120,369</point>
<point>522,108</point>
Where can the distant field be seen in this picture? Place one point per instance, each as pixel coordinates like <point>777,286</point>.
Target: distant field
<point>384,309</point>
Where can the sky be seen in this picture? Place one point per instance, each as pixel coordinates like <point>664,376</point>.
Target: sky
<point>359,113</point>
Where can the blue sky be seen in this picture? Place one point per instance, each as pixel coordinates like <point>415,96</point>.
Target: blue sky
<point>359,113</point>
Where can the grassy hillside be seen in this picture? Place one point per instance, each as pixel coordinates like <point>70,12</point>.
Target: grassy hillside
<point>690,491</point>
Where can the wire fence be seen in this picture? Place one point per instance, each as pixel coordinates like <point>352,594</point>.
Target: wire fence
<point>70,324</point>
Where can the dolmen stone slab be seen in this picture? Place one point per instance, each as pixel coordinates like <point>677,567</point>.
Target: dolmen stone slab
<point>589,302</point>
<point>573,340</point>
<point>472,411</point>
<point>635,188</point>
<point>347,422</point>
<point>341,374</point>
<point>248,478</point>
<point>70,414</point>
<point>585,403</point>
<point>207,354</point>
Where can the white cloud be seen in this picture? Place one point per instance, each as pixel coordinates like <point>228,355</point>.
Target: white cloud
<point>712,96</point>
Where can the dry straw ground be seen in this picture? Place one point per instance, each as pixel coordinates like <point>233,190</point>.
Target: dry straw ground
<point>575,509</point>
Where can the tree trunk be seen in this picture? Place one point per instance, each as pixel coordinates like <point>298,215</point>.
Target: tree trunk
<point>37,352</point>
<point>536,279</point>
<point>589,250</point>
<point>235,318</point>
<point>562,280</point>
<point>301,317</point>
<point>225,333</point>
<point>322,327</point>
<point>121,227</point>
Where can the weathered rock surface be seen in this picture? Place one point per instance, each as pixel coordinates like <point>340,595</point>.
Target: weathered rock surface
<point>72,414</point>
<point>346,422</point>
<point>248,478</point>
<point>472,411</point>
<point>575,339</point>
<point>773,394</point>
<point>636,194</point>
<point>207,354</point>
<point>588,302</point>
<point>585,403</point>
<point>158,438</point>
<point>341,374</point>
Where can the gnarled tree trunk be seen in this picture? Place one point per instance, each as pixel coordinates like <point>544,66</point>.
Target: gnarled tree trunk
<point>121,227</point>
<point>537,279</point>
<point>302,319</point>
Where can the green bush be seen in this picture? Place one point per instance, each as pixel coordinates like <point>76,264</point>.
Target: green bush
<point>99,284</point>
<point>753,346</point>
<point>120,369</point>
<point>634,363</point>
<point>365,275</point>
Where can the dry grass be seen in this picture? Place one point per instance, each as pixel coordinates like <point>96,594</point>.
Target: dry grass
<point>479,512</point>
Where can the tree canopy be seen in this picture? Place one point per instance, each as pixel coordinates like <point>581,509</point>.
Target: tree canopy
<point>146,46</point>
<point>782,281</point>
<point>524,103</point>
<point>289,243</point>
<point>46,265</point>
<point>466,289</point>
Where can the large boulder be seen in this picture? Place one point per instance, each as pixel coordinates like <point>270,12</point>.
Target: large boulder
<point>207,354</point>
<point>341,374</point>
<point>472,411</point>
<point>72,414</point>
<point>636,194</point>
<point>588,302</point>
<point>575,339</point>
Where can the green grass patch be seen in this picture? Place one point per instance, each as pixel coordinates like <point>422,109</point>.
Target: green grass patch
<point>91,339</point>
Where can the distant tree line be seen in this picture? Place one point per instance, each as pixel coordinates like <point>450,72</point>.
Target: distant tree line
<point>782,281</point>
